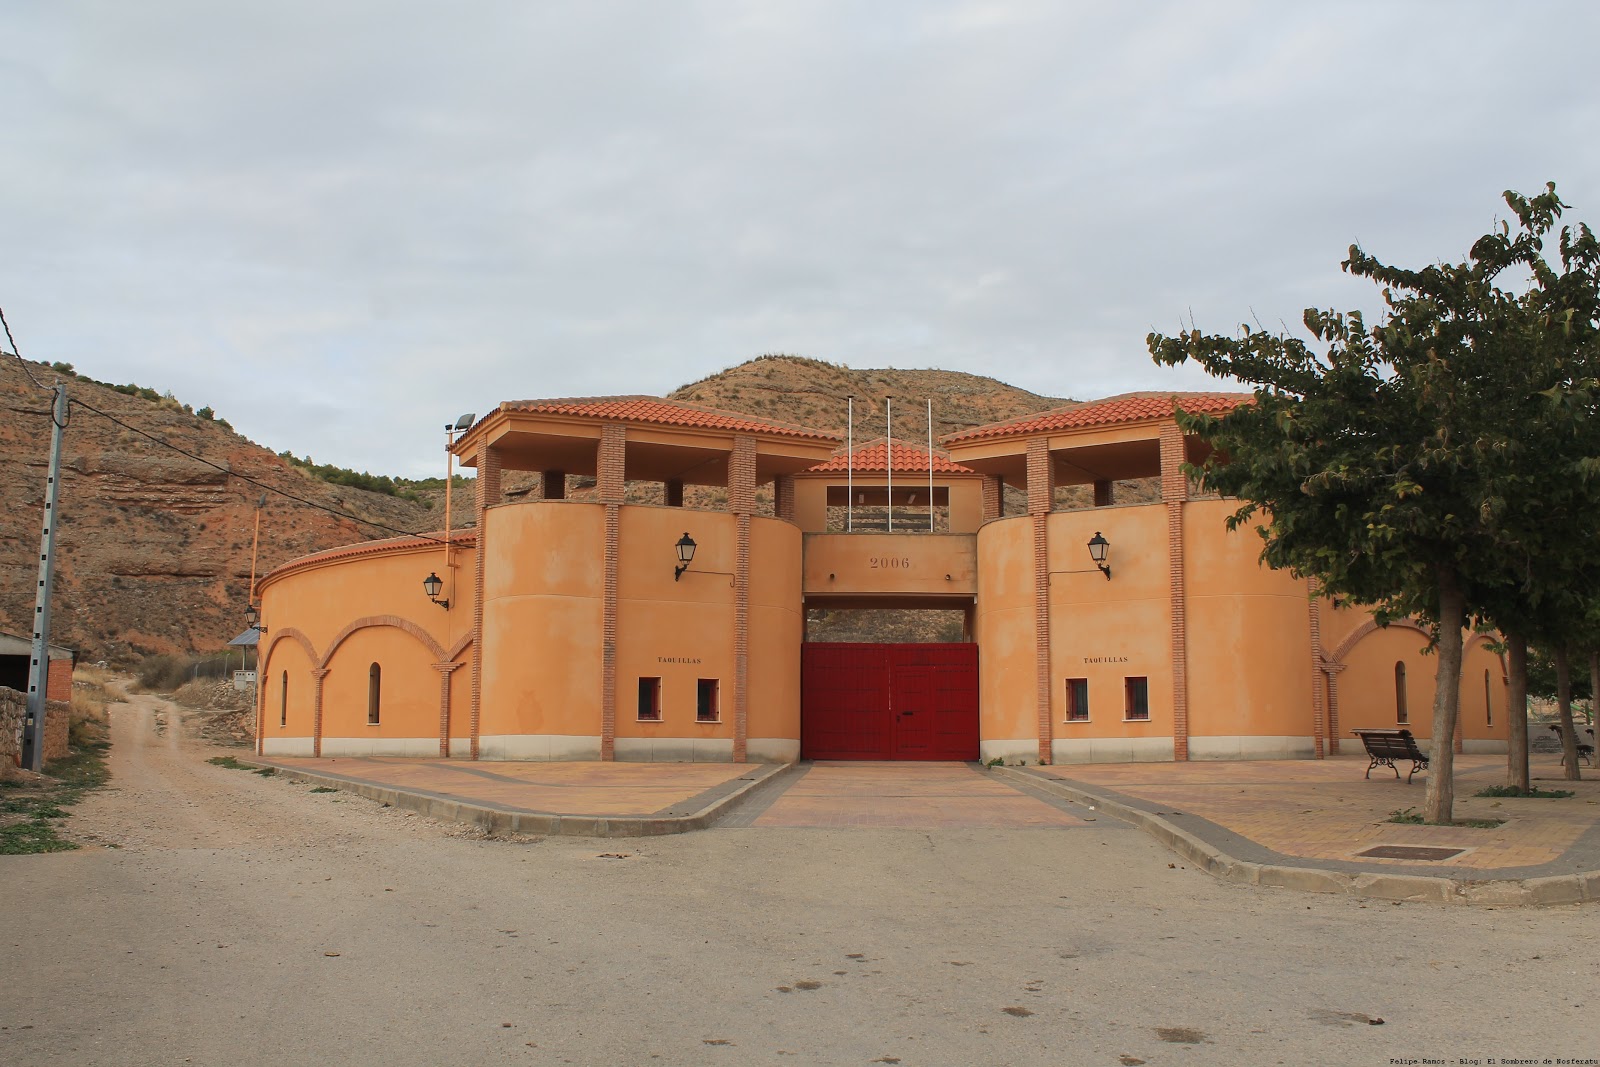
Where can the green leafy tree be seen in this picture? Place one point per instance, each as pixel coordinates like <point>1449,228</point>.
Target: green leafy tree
<point>1388,461</point>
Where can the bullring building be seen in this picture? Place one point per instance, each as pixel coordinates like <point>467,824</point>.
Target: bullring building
<point>628,626</point>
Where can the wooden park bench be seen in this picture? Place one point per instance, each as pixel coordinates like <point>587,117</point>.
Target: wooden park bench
<point>1386,746</point>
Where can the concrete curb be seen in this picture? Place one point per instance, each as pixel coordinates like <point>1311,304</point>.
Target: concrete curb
<point>502,820</point>
<point>1509,892</point>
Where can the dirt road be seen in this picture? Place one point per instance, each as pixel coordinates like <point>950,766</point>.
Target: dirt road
<point>247,920</point>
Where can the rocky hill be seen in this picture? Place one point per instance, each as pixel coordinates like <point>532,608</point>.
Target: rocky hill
<point>809,392</point>
<point>154,547</point>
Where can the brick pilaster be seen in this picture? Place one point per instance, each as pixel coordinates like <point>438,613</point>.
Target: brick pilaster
<point>611,485</point>
<point>1319,723</point>
<point>488,486</point>
<point>993,488</point>
<point>1103,497</point>
<point>444,670</point>
<point>783,497</point>
<point>1041,493</point>
<point>1174,492</point>
<point>673,492</point>
<point>742,499</point>
<point>318,674</point>
<point>261,703</point>
<point>1331,670</point>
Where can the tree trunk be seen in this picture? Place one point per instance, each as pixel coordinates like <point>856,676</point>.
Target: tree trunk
<point>1569,739</point>
<point>1439,803</point>
<point>1517,711</point>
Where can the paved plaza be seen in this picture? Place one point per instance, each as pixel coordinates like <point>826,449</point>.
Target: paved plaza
<point>1306,815</point>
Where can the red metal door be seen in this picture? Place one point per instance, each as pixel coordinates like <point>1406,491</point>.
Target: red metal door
<point>887,702</point>
<point>911,704</point>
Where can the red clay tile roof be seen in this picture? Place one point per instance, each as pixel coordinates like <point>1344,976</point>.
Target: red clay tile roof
<point>460,538</point>
<point>1112,411</point>
<point>874,457</point>
<point>654,410</point>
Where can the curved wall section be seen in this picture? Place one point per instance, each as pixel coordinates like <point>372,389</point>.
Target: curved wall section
<point>675,679</point>
<point>1249,648</point>
<point>330,619</point>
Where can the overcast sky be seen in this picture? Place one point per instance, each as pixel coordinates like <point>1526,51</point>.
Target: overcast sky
<point>342,223</point>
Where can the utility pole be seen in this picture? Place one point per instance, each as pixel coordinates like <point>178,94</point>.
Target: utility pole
<point>39,668</point>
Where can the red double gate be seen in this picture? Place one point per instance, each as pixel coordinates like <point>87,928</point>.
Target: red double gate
<point>888,702</point>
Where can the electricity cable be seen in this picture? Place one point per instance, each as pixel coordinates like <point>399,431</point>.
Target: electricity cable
<point>256,481</point>
<point>12,341</point>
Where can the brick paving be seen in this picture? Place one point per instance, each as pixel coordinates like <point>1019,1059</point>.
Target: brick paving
<point>1326,810</point>
<point>923,796</point>
<point>586,788</point>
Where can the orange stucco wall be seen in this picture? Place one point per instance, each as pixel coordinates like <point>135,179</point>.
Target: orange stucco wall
<point>1248,635</point>
<point>1003,627</point>
<point>344,615</point>
<point>910,565</point>
<point>1367,686</point>
<point>543,631</point>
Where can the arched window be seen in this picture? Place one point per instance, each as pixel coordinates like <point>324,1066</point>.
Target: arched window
<point>374,692</point>
<point>283,700</point>
<point>1401,715</point>
<point>1488,703</point>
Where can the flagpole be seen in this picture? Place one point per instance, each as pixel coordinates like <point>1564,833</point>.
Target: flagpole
<point>850,464</point>
<point>930,465</point>
<point>888,451</point>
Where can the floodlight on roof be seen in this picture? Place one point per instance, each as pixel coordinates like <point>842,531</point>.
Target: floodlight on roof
<point>465,422</point>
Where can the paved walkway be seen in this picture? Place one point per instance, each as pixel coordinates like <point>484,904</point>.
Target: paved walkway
<point>1295,823</point>
<point>1323,826</point>
<point>921,796</point>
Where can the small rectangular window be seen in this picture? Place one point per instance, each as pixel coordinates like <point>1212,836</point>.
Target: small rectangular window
<point>1138,699</point>
<point>1077,700</point>
<point>649,699</point>
<point>283,701</point>
<point>374,694</point>
<point>706,706</point>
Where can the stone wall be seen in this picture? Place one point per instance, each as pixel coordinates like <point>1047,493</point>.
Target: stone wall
<point>14,708</point>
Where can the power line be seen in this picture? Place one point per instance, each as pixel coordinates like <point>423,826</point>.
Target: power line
<point>13,343</point>
<point>256,481</point>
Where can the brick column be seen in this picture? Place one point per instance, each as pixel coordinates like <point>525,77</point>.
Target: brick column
<point>1041,493</point>
<point>553,485</point>
<point>444,670</point>
<point>317,674</point>
<point>673,492</point>
<point>1102,493</point>
<point>783,497</point>
<point>1331,670</point>
<point>261,703</point>
<point>1174,491</point>
<point>993,488</point>
<point>742,499</point>
<point>1318,706</point>
<point>611,486</point>
<point>488,487</point>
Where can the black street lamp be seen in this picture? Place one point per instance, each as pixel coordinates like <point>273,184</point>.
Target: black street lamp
<point>431,585</point>
<point>1098,549</point>
<point>686,547</point>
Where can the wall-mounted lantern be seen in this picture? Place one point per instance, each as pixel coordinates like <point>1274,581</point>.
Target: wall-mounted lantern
<point>686,547</point>
<point>431,585</point>
<point>1099,547</point>
<point>252,618</point>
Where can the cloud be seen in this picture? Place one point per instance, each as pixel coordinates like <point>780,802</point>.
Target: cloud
<point>341,225</point>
